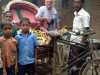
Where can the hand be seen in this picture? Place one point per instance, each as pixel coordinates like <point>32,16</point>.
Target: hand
<point>48,19</point>
<point>77,33</point>
<point>43,29</point>
<point>4,72</point>
<point>84,39</point>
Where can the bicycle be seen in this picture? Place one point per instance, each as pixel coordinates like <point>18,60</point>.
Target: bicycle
<point>92,64</point>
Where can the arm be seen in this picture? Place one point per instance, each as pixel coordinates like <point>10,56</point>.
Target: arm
<point>86,23</point>
<point>39,16</point>
<point>35,41</point>
<point>57,21</point>
<point>2,56</point>
<point>56,18</point>
<point>35,47</point>
<point>15,51</point>
<point>17,38</point>
<point>3,60</point>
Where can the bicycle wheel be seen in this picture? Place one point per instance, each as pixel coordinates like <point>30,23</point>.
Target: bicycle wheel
<point>91,68</point>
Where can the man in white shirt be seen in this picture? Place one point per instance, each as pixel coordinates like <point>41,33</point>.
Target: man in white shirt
<point>81,24</point>
<point>48,13</point>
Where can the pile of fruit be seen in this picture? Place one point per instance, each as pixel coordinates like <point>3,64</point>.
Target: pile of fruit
<point>63,30</point>
<point>42,37</point>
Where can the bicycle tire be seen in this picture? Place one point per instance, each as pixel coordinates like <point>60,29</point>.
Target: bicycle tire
<point>90,68</point>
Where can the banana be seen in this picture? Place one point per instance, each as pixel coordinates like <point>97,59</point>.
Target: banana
<point>42,37</point>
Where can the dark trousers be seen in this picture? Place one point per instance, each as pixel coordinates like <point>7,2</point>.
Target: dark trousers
<point>74,61</point>
<point>10,70</point>
<point>29,69</point>
<point>1,71</point>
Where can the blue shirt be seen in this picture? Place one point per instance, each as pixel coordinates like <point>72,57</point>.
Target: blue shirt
<point>26,48</point>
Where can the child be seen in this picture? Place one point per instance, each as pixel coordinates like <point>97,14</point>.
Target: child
<point>26,44</point>
<point>7,17</point>
<point>8,47</point>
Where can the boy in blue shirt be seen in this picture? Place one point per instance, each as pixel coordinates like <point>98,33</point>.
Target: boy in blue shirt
<point>26,44</point>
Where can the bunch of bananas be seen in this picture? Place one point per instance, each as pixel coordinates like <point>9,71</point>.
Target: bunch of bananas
<point>63,30</point>
<point>42,37</point>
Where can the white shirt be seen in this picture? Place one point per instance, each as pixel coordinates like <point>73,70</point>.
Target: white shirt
<point>81,20</point>
<point>49,14</point>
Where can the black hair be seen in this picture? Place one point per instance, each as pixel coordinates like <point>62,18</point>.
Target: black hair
<point>5,24</point>
<point>82,1</point>
<point>25,20</point>
<point>7,12</point>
